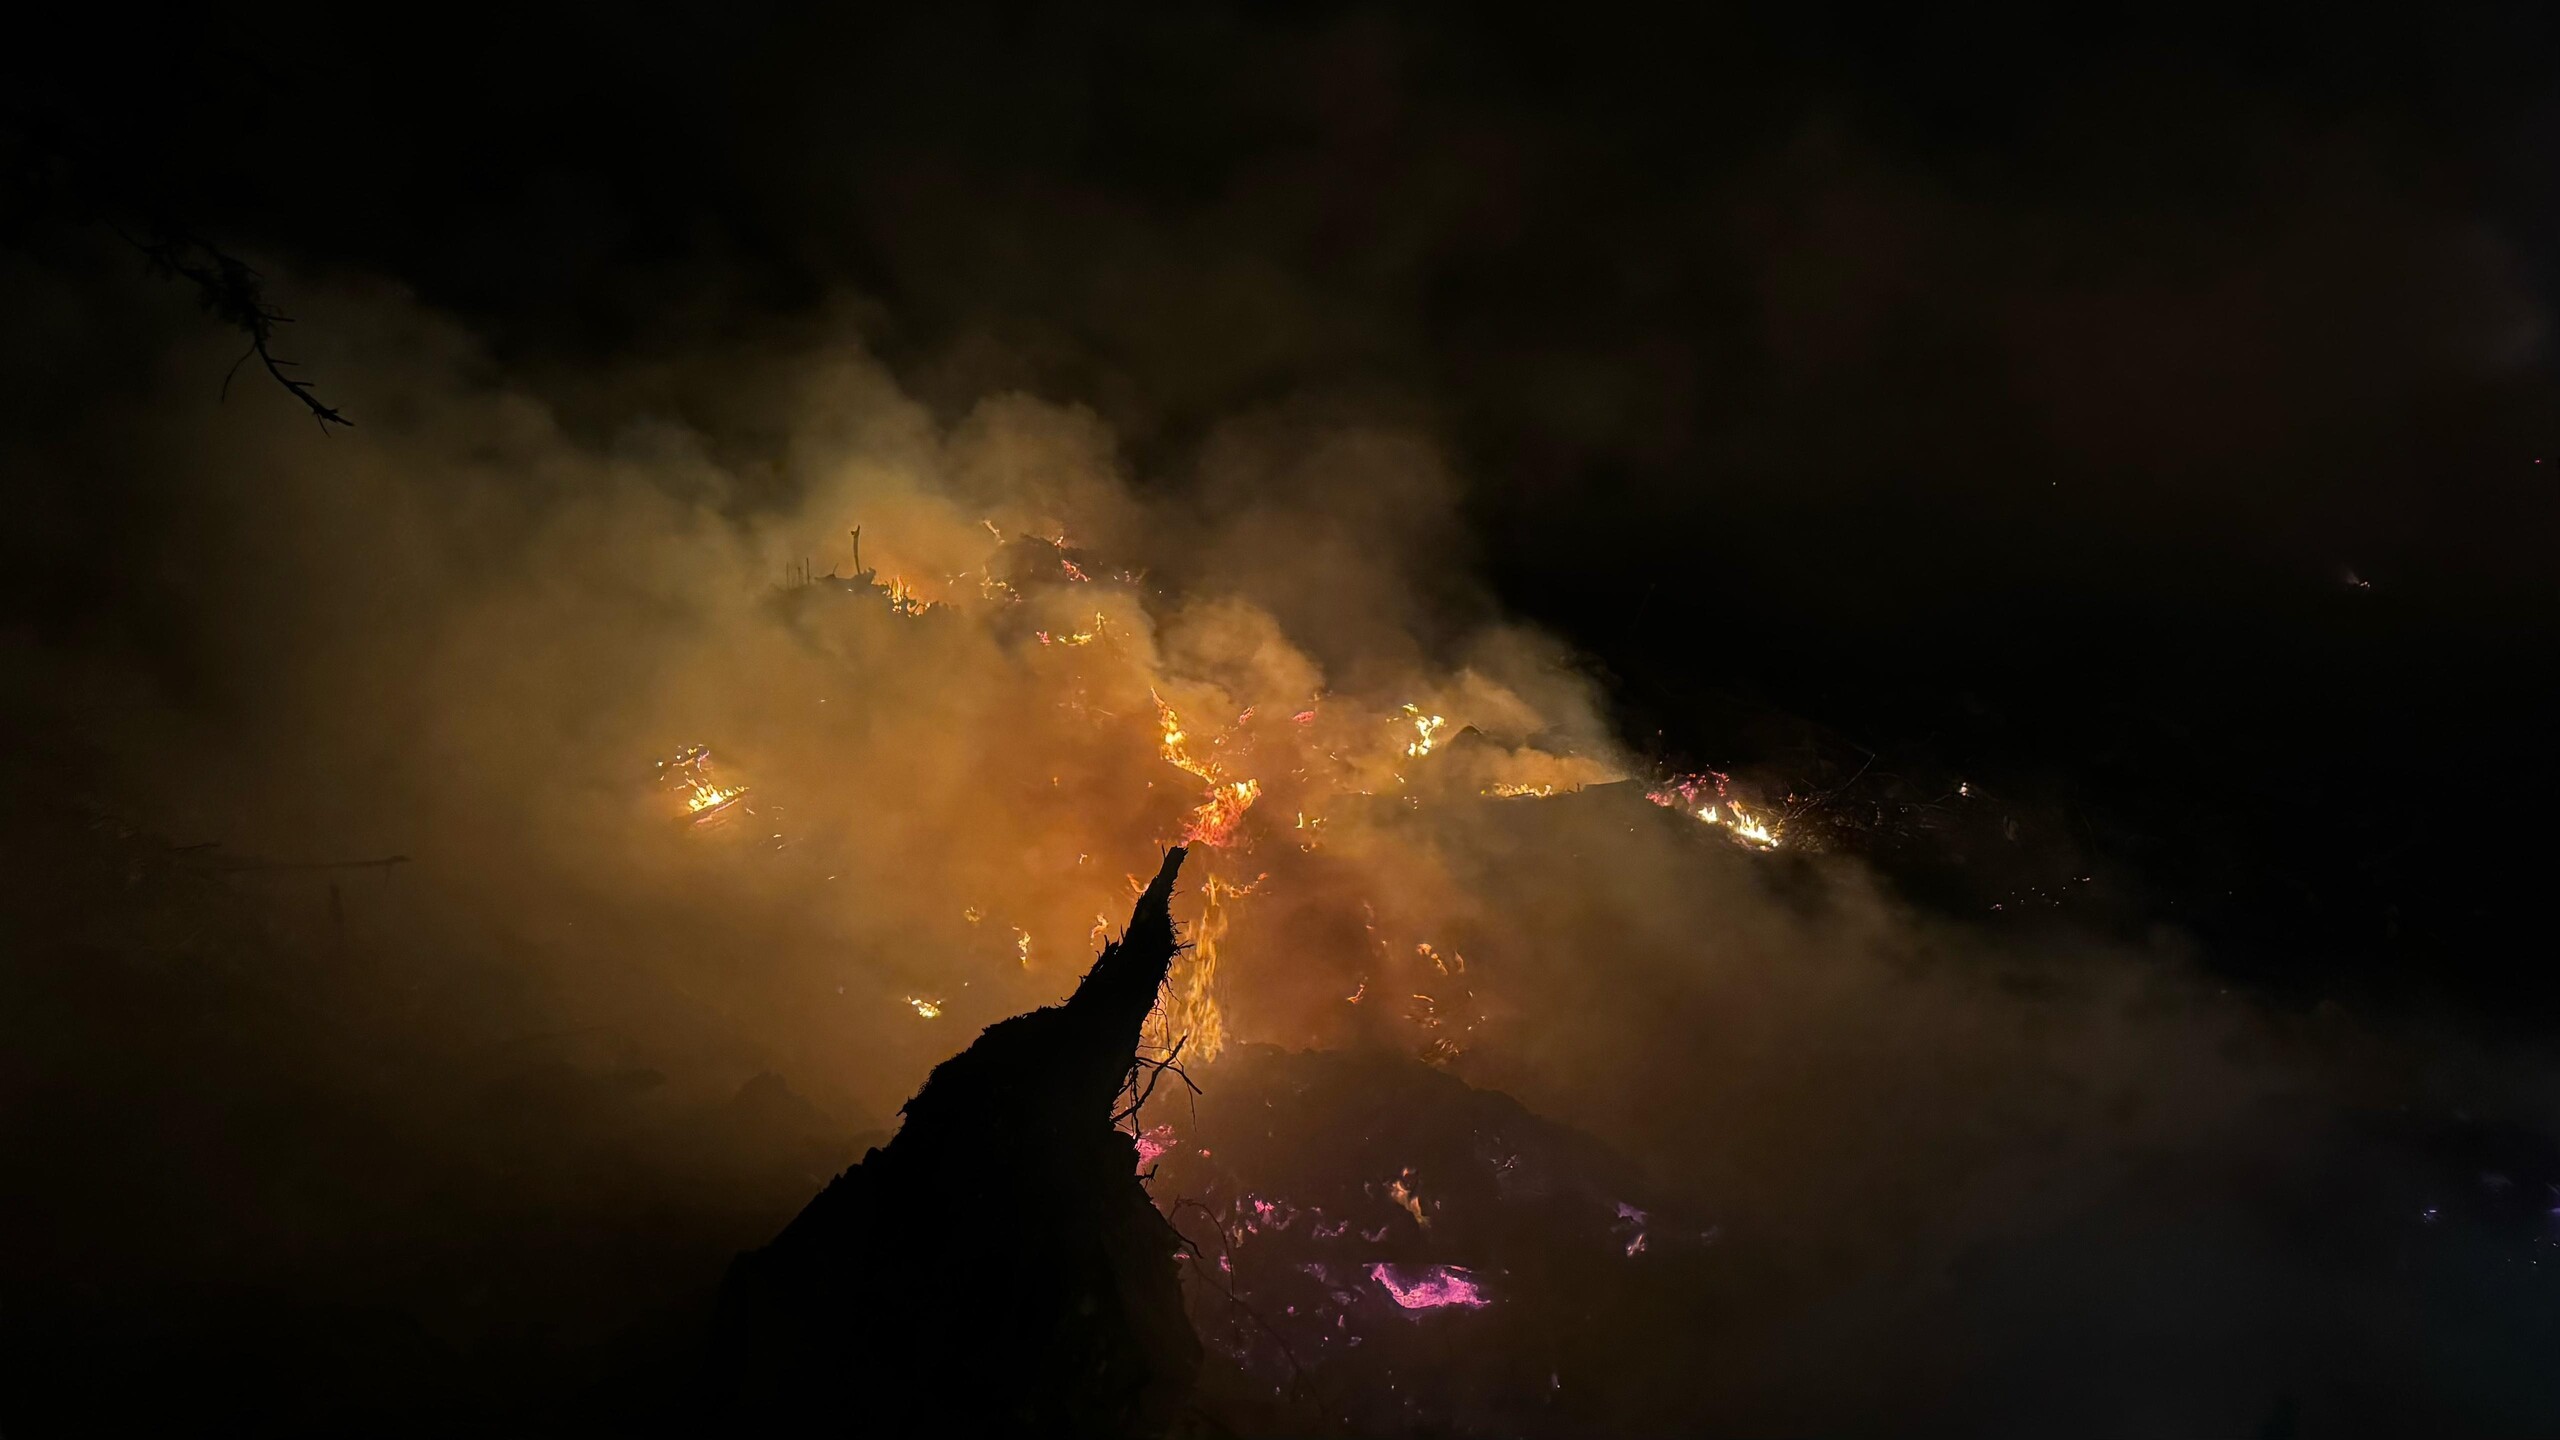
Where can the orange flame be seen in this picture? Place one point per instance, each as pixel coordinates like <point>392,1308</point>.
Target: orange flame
<point>1213,822</point>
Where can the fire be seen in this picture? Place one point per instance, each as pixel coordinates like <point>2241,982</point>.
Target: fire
<point>1426,731</point>
<point>1073,637</point>
<point>1326,758</point>
<point>903,598</point>
<point>1191,1013</point>
<point>689,774</point>
<point>1213,822</point>
<point>1408,1199</point>
<point>711,797</point>
<point>1682,792</point>
<point>1749,827</point>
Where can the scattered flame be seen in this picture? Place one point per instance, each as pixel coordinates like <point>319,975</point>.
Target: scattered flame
<point>1749,827</point>
<point>1452,964</point>
<point>1426,731</point>
<point>1685,792</point>
<point>904,600</point>
<point>1405,1196</point>
<point>1296,752</point>
<point>1074,637</point>
<point>712,797</point>
<point>689,773</point>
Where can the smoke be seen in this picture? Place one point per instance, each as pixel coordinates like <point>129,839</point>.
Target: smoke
<point>484,629</point>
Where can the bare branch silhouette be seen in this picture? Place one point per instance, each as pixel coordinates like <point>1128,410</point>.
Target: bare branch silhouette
<point>233,293</point>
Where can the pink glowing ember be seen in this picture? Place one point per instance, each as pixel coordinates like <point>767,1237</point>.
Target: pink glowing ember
<point>1432,1287</point>
<point>1153,1144</point>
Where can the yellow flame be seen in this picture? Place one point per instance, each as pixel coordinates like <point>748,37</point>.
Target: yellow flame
<point>1191,1012</point>
<point>709,797</point>
<point>1759,831</point>
<point>1749,827</point>
<point>929,1009</point>
<point>903,598</point>
<point>1426,731</point>
<point>1405,1196</point>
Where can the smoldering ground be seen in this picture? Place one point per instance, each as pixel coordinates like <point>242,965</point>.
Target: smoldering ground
<point>458,1140</point>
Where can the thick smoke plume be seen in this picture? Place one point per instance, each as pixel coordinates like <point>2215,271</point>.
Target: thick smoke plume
<point>691,793</point>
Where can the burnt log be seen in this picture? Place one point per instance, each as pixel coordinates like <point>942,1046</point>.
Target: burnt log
<point>997,1268</point>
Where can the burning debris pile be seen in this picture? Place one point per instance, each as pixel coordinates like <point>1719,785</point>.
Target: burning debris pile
<point>1376,1245</point>
<point>996,1268</point>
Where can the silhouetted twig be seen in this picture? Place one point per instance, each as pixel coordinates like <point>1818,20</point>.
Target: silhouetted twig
<point>233,293</point>
<point>1156,1069</point>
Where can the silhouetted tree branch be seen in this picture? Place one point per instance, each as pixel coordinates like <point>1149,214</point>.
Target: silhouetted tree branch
<point>233,293</point>
<point>47,170</point>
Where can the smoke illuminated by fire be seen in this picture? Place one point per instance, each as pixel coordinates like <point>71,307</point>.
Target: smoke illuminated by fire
<point>466,634</point>
<point>1141,662</point>
<point>943,733</point>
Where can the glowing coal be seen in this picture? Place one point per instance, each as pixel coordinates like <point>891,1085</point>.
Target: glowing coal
<point>1429,1287</point>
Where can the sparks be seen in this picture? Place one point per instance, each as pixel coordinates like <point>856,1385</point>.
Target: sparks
<point>929,1009</point>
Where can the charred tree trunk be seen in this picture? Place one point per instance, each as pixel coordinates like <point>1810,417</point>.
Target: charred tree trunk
<point>997,1267</point>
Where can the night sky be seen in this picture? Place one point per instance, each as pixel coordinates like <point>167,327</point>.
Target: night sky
<point>2145,416</point>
